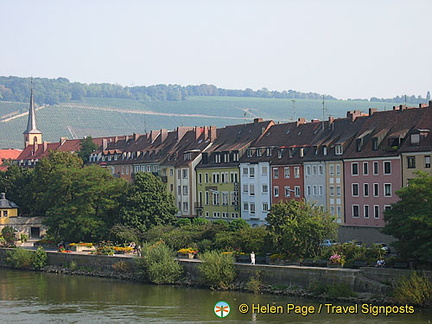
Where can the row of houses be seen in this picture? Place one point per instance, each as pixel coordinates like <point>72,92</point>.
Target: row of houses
<point>349,166</point>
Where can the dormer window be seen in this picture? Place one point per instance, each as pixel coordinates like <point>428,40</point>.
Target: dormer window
<point>259,152</point>
<point>217,158</point>
<point>359,144</point>
<point>375,144</point>
<point>226,157</point>
<point>235,156</point>
<point>415,139</point>
<point>301,152</point>
<point>339,149</point>
<point>315,150</point>
<point>268,151</point>
<point>280,154</point>
<point>325,150</point>
<point>249,153</point>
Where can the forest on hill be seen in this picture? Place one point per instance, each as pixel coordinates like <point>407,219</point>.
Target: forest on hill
<point>61,90</point>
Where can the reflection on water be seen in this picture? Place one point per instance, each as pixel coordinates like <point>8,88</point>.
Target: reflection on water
<point>29,297</point>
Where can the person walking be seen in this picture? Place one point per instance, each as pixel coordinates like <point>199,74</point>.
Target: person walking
<point>252,256</point>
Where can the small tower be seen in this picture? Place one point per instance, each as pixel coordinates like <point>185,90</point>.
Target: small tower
<point>32,136</point>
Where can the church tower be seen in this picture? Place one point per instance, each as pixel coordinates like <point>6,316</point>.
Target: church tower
<point>32,136</point>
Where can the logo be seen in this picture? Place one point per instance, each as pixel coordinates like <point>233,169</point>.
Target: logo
<point>222,309</point>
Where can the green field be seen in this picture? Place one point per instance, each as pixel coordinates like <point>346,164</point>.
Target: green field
<point>104,117</point>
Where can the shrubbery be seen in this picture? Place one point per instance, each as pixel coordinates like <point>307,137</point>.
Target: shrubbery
<point>25,259</point>
<point>414,289</point>
<point>217,269</point>
<point>158,264</point>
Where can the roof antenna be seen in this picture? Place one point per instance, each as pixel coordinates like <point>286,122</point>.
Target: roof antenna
<point>294,109</point>
<point>323,114</point>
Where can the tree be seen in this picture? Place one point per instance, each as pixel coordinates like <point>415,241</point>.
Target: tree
<point>410,219</point>
<point>296,228</point>
<point>87,148</point>
<point>85,205</point>
<point>146,203</point>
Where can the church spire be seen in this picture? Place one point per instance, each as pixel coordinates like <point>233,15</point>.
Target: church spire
<point>32,135</point>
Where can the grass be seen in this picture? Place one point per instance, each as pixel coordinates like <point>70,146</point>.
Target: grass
<point>128,116</point>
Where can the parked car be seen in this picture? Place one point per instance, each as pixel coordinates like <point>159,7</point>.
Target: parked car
<point>357,243</point>
<point>328,242</point>
<point>383,246</point>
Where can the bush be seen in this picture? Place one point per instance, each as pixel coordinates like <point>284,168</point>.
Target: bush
<point>158,264</point>
<point>414,289</point>
<point>336,290</point>
<point>122,267</point>
<point>39,258</point>
<point>254,284</point>
<point>20,258</point>
<point>217,269</point>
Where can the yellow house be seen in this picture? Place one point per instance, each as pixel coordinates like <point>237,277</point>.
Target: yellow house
<point>8,209</point>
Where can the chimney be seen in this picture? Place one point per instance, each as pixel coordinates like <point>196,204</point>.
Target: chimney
<point>372,111</point>
<point>63,140</point>
<point>257,120</point>
<point>163,134</point>
<point>45,146</point>
<point>136,136</point>
<point>331,122</point>
<point>198,132</point>
<point>181,131</point>
<point>153,135</point>
<point>352,115</point>
<point>430,103</point>
<point>212,134</point>
<point>301,121</point>
<point>116,139</point>
<point>104,144</point>
<point>126,138</point>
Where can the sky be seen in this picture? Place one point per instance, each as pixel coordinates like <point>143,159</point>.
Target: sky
<point>347,49</point>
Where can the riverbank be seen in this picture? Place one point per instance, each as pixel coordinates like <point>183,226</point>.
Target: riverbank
<point>364,285</point>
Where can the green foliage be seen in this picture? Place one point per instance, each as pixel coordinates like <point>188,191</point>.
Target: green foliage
<point>121,234</point>
<point>237,224</point>
<point>20,258</point>
<point>146,203</point>
<point>39,258</point>
<point>85,204</point>
<point>122,267</point>
<point>72,265</point>
<point>335,290</point>
<point>8,233</point>
<point>409,220</point>
<point>217,269</point>
<point>158,264</point>
<point>254,284</point>
<point>24,237</point>
<point>87,148</point>
<point>296,228</point>
<point>414,289</point>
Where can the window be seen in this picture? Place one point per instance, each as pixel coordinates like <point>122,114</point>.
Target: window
<point>252,190</point>
<point>215,198</point>
<point>224,177</point>
<point>338,191</point>
<point>246,206</point>
<point>321,190</point>
<point>200,198</point>
<point>217,158</point>
<point>366,211</point>
<point>355,189</point>
<point>387,167</point>
<point>338,170</point>
<point>185,190</point>
<point>314,170</point>
<point>376,211</point>
<point>276,191</point>
<point>234,177</point>
<point>287,172</point>
<point>215,177</point>
<point>338,149</point>
<point>178,190</point>
<point>354,168</point>
<point>320,170</point>
<point>308,190</point>
<point>375,189</point>
<point>199,177</point>
<point>185,207</point>
<point>297,191</point>
<point>308,170</point>
<point>216,214</point>
<point>225,198</point>
<point>245,172</point>
<point>427,161</point>
<point>264,188</point>
<point>268,151</point>
<point>387,189</point>
<point>287,191</point>
<point>374,144</point>
<point>387,207</point>
<point>251,172</point>
<point>5,213</point>
<point>207,198</point>
<point>365,168</point>
<point>206,177</point>
<point>264,170</point>
<point>265,207</point>
<point>245,188</point>
<point>411,162</point>
<point>275,173</point>
<point>296,172</point>
<point>185,173</point>
<point>332,191</point>
<point>331,169</point>
<point>355,211</point>
<point>225,215</point>
<point>375,168</point>
<point>314,190</point>
<point>252,208</point>
<point>366,189</point>
<point>259,152</point>
<point>207,214</point>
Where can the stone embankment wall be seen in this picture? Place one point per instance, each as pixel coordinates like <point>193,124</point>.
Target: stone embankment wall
<point>375,280</point>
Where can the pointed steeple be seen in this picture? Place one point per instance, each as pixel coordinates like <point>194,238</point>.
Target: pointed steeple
<point>32,135</point>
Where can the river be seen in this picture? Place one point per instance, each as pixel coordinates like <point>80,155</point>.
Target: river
<point>34,297</point>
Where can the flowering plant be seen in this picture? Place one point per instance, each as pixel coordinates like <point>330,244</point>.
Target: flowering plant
<point>89,245</point>
<point>187,251</point>
<point>337,259</point>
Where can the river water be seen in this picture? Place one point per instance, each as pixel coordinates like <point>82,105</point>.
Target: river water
<point>33,297</point>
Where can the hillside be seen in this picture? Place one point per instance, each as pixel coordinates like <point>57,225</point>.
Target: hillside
<point>104,117</point>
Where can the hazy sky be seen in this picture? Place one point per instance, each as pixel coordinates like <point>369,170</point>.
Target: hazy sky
<point>348,49</point>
